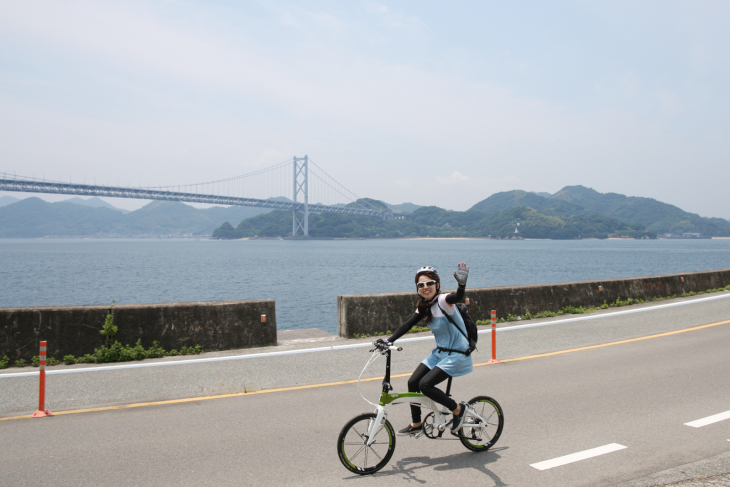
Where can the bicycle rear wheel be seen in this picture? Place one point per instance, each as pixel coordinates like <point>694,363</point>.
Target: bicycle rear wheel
<point>481,437</point>
<point>353,450</point>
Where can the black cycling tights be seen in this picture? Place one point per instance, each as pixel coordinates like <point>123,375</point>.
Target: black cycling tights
<point>424,380</point>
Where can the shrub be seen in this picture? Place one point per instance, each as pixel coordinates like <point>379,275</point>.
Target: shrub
<point>138,352</point>
<point>155,351</point>
<point>117,352</point>
<point>4,362</point>
<point>545,314</point>
<point>36,361</point>
<point>114,351</point>
<point>108,329</point>
<point>627,302</point>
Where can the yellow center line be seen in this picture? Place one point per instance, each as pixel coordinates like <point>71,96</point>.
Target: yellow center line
<point>313,386</point>
<point>610,344</point>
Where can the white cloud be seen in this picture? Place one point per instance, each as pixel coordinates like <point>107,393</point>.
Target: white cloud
<point>453,180</point>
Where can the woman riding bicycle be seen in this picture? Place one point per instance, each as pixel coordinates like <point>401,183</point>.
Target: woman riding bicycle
<point>446,360</point>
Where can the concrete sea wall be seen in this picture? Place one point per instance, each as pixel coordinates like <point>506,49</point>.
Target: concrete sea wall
<point>219,325</point>
<point>373,314</point>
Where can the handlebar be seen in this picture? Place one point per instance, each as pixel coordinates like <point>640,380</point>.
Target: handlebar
<point>383,348</point>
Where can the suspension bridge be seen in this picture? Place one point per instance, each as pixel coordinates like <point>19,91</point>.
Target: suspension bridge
<point>264,188</point>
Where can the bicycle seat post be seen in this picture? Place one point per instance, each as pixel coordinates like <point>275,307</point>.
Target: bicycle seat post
<point>448,387</point>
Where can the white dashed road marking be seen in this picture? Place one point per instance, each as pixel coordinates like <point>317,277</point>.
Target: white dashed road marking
<point>576,457</point>
<point>709,420</point>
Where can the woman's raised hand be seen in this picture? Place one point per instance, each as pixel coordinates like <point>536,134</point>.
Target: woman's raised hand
<point>461,274</point>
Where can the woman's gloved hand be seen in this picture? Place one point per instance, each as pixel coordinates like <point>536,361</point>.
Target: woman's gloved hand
<point>461,274</point>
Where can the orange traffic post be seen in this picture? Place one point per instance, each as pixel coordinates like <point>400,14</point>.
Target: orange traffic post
<point>494,339</point>
<point>42,411</point>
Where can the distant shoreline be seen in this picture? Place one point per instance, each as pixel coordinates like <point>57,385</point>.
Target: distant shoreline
<point>208,237</point>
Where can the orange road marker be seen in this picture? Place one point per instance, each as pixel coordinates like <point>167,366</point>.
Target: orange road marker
<point>494,339</point>
<point>42,411</point>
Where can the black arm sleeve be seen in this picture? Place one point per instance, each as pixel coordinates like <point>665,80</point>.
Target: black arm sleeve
<point>405,327</point>
<point>456,297</point>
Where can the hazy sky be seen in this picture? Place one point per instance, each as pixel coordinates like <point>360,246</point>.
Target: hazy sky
<point>435,103</point>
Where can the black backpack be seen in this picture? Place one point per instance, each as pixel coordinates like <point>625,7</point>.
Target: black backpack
<point>471,329</point>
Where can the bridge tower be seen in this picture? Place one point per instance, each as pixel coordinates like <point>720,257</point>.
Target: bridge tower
<point>301,185</point>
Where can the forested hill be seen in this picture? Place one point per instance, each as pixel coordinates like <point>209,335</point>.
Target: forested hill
<point>573,212</point>
<point>654,215</point>
<point>93,217</point>
<point>33,217</point>
<point>432,221</point>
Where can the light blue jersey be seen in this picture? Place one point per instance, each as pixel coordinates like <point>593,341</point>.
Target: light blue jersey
<point>447,336</point>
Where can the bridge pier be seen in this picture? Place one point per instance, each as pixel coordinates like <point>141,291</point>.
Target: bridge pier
<point>301,185</point>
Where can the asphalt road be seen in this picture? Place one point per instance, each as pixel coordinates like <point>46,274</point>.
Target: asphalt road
<point>636,395</point>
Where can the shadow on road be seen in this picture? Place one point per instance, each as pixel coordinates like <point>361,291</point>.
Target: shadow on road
<point>407,468</point>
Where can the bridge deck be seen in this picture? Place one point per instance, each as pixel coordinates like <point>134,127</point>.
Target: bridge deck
<point>152,194</point>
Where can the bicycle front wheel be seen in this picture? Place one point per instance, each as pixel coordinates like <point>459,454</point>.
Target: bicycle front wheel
<point>481,436</point>
<point>353,449</point>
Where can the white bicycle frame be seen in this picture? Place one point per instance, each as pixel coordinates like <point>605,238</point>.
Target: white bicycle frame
<point>441,414</point>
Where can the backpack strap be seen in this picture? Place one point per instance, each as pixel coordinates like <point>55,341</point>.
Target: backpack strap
<point>468,352</point>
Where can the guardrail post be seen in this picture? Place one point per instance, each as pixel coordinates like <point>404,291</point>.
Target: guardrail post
<point>494,338</point>
<point>42,411</point>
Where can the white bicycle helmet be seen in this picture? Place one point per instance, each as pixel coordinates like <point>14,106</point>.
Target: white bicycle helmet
<point>426,268</point>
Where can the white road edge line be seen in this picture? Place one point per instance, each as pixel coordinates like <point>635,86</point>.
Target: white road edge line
<point>576,457</point>
<point>615,313</point>
<point>354,345</point>
<point>715,418</point>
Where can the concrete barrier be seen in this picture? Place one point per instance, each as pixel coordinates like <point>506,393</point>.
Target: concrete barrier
<point>374,314</point>
<point>214,325</point>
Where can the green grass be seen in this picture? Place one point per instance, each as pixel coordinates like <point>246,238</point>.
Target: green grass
<point>692,293</point>
<point>116,352</point>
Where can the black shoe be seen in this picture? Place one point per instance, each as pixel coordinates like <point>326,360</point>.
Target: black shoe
<point>410,430</point>
<point>458,420</point>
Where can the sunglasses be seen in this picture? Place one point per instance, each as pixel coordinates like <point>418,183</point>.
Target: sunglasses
<point>421,285</point>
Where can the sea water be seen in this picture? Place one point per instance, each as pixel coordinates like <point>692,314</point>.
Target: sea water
<point>305,277</point>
